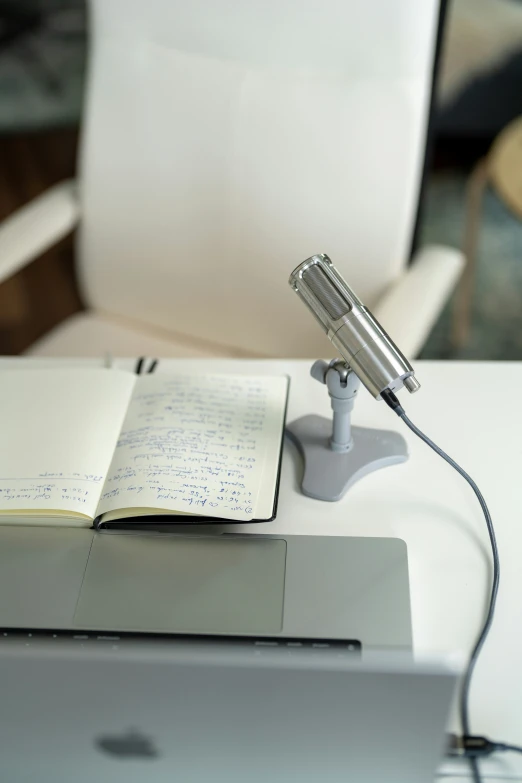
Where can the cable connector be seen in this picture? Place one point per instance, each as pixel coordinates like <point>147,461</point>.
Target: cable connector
<point>470,746</point>
<point>473,746</point>
<point>392,401</point>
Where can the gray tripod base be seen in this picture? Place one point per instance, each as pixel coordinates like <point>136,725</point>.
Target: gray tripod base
<point>336,455</point>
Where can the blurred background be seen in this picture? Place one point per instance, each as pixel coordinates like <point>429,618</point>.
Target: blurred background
<point>478,95</point>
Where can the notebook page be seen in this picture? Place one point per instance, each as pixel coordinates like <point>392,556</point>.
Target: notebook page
<point>199,444</point>
<point>58,430</point>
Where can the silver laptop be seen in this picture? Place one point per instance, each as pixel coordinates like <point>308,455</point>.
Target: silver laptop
<point>217,711</point>
<point>308,587</point>
<point>263,666</point>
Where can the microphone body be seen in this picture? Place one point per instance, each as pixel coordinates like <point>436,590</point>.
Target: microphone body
<point>357,335</point>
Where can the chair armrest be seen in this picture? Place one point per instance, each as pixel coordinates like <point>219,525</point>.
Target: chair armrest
<point>410,308</point>
<point>35,227</point>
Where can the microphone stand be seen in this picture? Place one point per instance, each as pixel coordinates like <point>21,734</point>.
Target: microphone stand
<point>336,455</point>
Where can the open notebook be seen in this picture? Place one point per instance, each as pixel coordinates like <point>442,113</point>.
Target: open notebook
<point>97,446</point>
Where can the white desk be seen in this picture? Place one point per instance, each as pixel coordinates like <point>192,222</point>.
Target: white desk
<point>472,410</point>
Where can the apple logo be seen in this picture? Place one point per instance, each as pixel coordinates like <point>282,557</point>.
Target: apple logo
<point>129,745</point>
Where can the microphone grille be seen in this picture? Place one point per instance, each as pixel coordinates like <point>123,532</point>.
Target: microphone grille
<point>322,288</point>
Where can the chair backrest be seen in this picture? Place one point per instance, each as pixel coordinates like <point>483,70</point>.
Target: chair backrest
<point>225,141</point>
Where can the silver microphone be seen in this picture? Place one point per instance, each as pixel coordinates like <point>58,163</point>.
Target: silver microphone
<point>359,338</point>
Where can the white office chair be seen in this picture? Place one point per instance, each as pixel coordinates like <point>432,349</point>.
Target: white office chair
<point>224,141</point>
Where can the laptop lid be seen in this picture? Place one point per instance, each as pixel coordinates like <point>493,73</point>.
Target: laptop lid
<point>220,710</point>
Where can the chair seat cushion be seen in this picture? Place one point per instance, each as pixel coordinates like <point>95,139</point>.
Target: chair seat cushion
<point>96,334</point>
